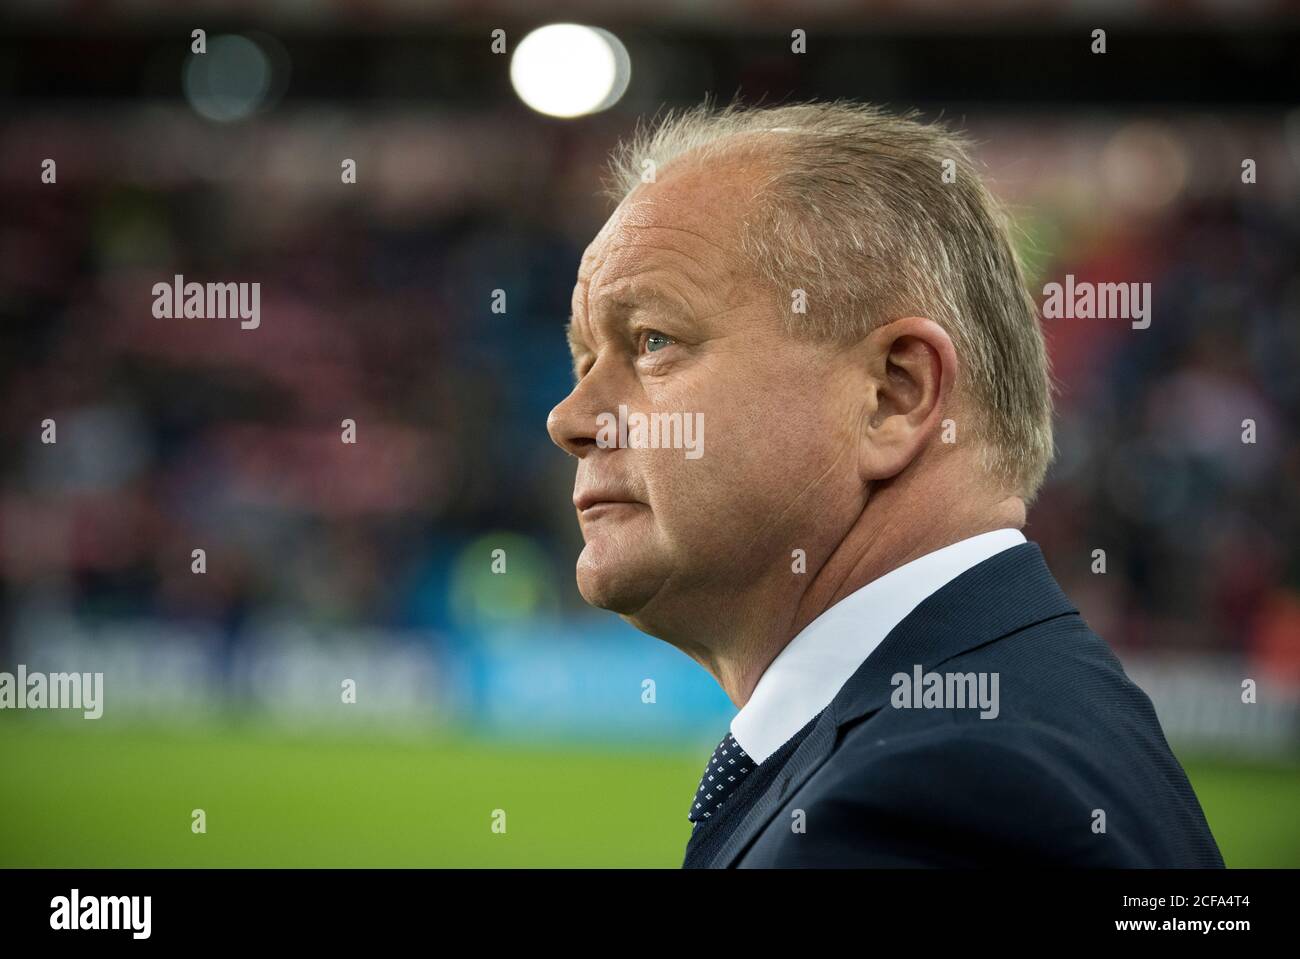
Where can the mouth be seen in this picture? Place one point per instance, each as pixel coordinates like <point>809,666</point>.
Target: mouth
<point>593,503</point>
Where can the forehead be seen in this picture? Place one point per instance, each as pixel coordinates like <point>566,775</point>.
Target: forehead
<point>682,231</point>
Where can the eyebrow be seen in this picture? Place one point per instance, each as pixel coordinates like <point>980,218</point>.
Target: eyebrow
<point>625,302</point>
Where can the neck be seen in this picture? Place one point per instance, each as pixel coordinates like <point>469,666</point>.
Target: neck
<point>882,539</point>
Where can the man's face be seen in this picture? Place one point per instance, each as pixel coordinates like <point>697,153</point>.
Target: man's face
<point>668,318</point>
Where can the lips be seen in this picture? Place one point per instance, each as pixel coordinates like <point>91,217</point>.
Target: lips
<point>587,499</point>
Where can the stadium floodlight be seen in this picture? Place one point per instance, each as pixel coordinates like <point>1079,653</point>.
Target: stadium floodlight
<point>570,70</point>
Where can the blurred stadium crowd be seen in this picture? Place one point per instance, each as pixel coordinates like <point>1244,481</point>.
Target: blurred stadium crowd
<point>184,433</point>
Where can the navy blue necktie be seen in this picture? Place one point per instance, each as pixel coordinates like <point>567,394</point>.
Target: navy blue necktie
<point>722,776</point>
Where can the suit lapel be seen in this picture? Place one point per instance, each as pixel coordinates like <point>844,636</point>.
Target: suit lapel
<point>1002,595</point>
<point>805,761</point>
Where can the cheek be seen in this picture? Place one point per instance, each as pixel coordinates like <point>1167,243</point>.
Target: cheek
<point>771,426</point>
<point>787,423</point>
<point>760,447</point>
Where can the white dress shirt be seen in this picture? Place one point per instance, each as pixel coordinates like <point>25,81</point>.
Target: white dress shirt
<point>806,675</point>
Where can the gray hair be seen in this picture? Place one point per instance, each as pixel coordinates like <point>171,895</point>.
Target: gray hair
<point>857,213</point>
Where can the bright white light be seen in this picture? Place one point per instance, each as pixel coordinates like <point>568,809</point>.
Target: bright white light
<point>567,70</point>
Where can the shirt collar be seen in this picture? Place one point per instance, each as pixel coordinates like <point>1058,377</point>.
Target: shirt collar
<point>805,676</point>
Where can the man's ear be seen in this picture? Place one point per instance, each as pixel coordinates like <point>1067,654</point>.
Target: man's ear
<point>912,368</point>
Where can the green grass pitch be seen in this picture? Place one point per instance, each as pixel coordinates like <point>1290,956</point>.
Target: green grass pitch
<point>88,796</point>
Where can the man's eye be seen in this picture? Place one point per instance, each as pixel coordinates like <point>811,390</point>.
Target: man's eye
<point>656,341</point>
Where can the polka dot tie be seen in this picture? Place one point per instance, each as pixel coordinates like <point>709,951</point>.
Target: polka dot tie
<point>730,764</point>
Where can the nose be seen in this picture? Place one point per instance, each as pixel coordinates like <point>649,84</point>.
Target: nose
<point>572,423</point>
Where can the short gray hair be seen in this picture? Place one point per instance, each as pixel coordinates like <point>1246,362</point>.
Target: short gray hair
<point>858,213</point>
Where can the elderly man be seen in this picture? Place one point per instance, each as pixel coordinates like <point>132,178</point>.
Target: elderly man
<point>830,290</point>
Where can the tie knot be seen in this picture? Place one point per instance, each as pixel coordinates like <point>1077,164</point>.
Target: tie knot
<point>727,767</point>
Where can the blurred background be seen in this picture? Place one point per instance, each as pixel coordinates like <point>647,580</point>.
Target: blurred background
<point>372,561</point>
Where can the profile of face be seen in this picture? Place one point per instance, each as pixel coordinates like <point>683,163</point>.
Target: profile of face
<point>668,318</point>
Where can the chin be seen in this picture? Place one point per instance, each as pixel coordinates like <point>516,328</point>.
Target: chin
<point>610,580</point>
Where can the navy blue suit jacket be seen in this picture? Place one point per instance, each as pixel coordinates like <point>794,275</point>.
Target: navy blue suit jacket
<point>1073,771</point>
